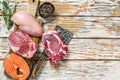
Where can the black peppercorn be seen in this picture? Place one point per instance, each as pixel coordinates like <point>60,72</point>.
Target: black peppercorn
<point>46,10</point>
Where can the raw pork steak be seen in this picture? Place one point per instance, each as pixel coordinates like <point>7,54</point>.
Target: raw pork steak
<point>22,44</point>
<point>54,46</point>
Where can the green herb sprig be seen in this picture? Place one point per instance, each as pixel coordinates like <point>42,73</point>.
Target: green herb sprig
<point>7,13</point>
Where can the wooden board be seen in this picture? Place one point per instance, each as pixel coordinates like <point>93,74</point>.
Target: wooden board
<point>31,61</point>
<point>82,49</point>
<point>80,7</point>
<point>88,27</point>
<point>82,27</point>
<point>82,70</point>
<point>94,52</point>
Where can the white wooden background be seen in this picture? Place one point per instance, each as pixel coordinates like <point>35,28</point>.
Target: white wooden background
<point>94,52</point>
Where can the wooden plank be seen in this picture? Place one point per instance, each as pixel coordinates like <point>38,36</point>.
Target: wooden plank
<point>65,1</point>
<point>82,70</point>
<point>82,27</point>
<point>88,27</point>
<point>93,49</point>
<point>80,1</point>
<point>19,0</point>
<point>87,7</point>
<point>81,7</point>
<point>104,7</point>
<point>81,49</point>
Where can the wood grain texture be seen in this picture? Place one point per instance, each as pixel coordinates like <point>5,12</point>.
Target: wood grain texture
<point>80,7</point>
<point>83,70</point>
<point>94,52</point>
<point>87,7</point>
<point>94,49</point>
<point>82,27</point>
<point>88,27</point>
<point>77,70</point>
<point>81,49</point>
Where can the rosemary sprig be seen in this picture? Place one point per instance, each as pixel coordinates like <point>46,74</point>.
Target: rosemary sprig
<point>7,13</point>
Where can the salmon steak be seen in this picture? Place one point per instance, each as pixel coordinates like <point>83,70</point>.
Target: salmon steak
<point>22,44</point>
<point>16,67</point>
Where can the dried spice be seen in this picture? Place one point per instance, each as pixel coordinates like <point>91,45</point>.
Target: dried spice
<point>46,10</point>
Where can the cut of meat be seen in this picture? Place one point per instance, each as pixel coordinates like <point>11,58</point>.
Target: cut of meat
<point>22,44</point>
<point>54,46</point>
<point>16,67</point>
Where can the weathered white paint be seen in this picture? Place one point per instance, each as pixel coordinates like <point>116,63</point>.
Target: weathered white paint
<point>88,58</point>
<point>77,70</point>
<point>81,49</point>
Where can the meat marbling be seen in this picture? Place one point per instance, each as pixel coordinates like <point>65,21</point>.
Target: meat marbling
<point>54,46</point>
<point>22,44</point>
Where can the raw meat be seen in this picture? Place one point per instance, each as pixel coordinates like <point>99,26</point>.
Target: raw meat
<point>54,46</point>
<point>27,23</point>
<point>15,64</point>
<point>22,44</point>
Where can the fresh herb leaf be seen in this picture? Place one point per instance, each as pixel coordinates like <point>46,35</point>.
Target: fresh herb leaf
<point>7,12</point>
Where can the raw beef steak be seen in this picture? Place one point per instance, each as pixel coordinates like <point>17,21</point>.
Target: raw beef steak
<point>22,44</point>
<point>54,46</point>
